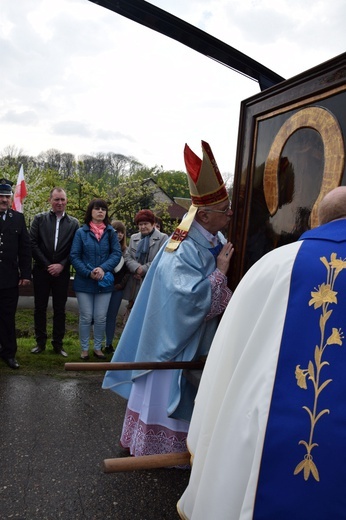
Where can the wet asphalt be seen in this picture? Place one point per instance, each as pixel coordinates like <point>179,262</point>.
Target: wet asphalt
<point>55,433</point>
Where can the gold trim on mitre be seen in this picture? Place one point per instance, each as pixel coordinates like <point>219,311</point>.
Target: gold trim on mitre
<point>206,189</point>
<point>205,182</point>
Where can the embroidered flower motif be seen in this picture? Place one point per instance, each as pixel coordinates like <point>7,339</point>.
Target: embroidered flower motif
<point>336,337</point>
<point>337,263</point>
<point>322,295</point>
<point>301,377</point>
<point>308,466</point>
<point>321,298</point>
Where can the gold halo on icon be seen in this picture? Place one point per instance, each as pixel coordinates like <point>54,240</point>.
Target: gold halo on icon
<point>325,123</point>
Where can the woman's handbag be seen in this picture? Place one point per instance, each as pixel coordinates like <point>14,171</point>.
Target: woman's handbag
<point>107,280</point>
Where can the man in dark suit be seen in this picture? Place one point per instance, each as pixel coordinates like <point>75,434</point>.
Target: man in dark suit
<point>15,270</point>
<point>51,235</point>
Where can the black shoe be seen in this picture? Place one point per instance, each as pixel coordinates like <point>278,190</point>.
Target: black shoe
<point>61,352</point>
<point>109,349</point>
<point>38,350</point>
<point>99,356</point>
<point>12,363</point>
<point>85,358</point>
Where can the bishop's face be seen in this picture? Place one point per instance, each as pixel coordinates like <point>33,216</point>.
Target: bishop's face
<point>217,217</point>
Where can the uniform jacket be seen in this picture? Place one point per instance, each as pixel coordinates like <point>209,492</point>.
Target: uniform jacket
<point>87,253</point>
<point>15,251</point>
<point>42,235</point>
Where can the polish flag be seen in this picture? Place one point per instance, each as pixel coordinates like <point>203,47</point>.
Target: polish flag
<point>20,192</point>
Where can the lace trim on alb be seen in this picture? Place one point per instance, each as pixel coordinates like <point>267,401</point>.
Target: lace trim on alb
<point>220,294</point>
<point>143,439</point>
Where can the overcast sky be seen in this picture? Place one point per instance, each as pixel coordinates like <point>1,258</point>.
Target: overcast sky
<point>81,79</point>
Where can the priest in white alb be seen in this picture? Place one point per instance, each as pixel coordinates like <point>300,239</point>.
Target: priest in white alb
<point>268,431</point>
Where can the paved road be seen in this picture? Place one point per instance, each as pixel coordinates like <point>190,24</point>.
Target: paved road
<point>55,433</point>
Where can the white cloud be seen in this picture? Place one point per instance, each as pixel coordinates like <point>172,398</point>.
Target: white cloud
<point>80,78</point>
<point>27,117</point>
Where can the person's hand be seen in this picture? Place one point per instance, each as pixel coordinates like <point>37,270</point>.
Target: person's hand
<point>224,257</point>
<point>139,273</point>
<point>97,273</point>
<point>55,269</point>
<point>24,282</point>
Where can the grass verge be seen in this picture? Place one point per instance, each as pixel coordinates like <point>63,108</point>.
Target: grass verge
<point>47,362</point>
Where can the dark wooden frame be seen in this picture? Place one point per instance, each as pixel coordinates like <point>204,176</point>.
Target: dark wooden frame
<point>310,88</point>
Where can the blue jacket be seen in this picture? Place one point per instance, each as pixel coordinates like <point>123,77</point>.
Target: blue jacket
<point>87,253</point>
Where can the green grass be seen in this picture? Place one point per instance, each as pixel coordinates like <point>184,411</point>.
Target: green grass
<point>47,362</point>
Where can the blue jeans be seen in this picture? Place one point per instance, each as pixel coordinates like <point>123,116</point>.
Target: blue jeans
<point>92,311</point>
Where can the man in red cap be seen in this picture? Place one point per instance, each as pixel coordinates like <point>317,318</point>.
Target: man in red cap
<point>175,316</point>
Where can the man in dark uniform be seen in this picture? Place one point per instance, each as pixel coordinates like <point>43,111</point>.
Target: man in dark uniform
<point>15,270</point>
<point>51,235</point>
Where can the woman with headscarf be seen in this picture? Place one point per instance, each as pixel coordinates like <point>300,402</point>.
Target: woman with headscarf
<point>142,250</point>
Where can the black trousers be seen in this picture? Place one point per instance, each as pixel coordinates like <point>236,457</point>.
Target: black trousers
<point>8,307</point>
<point>44,286</point>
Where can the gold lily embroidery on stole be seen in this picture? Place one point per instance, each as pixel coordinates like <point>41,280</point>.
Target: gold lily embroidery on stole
<point>321,298</point>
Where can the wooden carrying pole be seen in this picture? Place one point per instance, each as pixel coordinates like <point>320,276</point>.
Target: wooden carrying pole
<point>146,462</point>
<point>147,365</point>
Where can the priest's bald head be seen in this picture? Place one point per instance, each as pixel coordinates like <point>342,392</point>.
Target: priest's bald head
<point>333,206</point>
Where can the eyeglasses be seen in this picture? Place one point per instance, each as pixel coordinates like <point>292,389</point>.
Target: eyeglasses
<point>223,211</point>
<point>100,208</point>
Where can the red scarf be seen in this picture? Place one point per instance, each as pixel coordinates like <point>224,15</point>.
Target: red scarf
<point>97,229</point>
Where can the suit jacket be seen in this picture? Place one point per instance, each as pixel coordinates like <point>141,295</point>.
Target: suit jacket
<point>42,235</point>
<point>15,251</point>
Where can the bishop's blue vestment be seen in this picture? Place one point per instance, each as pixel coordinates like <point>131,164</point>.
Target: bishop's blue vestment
<point>168,320</point>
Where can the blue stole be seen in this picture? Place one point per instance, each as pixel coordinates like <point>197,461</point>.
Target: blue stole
<point>303,468</point>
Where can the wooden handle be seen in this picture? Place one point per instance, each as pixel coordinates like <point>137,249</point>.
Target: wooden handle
<point>155,365</point>
<point>146,462</point>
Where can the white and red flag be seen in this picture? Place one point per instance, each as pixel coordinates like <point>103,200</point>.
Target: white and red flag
<point>20,191</point>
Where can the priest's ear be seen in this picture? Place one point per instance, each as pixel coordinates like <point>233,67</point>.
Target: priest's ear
<point>202,216</point>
